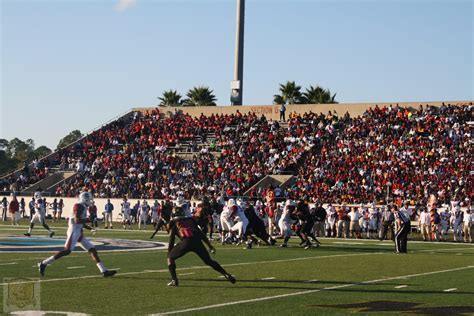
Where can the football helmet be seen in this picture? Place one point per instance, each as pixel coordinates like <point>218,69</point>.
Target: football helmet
<point>86,198</point>
<point>178,212</point>
<point>231,203</point>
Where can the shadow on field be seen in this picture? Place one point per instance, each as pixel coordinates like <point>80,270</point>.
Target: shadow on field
<point>290,281</point>
<point>395,291</point>
<point>356,249</point>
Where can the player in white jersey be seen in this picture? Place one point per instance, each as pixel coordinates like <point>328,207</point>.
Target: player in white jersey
<point>126,213</point>
<point>77,222</point>
<point>285,222</point>
<point>364,220</point>
<point>456,221</point>
<point>226,222</point>
<point>241,221</point>
<point>40,214</point>
<point>155,212</point>
<point>331,221</point>
<point>373,222</point>
<point>444,216</point>
<point>143,214</point>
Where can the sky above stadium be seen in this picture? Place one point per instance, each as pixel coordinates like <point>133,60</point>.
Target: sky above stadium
<point>69,64</point>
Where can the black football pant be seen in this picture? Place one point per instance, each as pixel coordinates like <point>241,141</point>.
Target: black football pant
<point>401,238</point>
<point>195,245</point>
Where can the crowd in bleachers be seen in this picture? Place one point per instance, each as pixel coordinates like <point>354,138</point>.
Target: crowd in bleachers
<point>135,159</point>
<point>18,181</point>
<point>402,153</point>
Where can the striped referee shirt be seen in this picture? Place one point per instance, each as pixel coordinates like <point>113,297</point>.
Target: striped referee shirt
<point>403,217</point>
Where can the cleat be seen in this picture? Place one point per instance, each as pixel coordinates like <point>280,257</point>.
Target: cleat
<point>301,243</point>
<point>272,242</point>
<point>108,273</point>
<point>41,268</point>
<point>27,235</point>
<point>308,246</point>
<point>230,278</point>
<point>284,245</point>
<point>173,283</point>
<point>51,234</point>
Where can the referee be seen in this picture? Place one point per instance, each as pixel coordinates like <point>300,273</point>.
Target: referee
<point>404,226</point>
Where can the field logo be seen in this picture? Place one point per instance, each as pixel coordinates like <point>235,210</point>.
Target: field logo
<point>21,294</point>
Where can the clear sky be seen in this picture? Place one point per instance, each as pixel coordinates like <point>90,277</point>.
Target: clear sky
<point>75,64</point>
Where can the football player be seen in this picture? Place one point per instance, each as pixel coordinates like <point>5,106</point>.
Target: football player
<point>373,222</point>
<point>307,224</point>
<point>285,222</point>
<point>240,220</point>
<point>39,215</point>
<point>166,209</point>
<point>256,227</point>
<point>445,216</point>
<point>143,216</point>
<point>126,213</point>
<point>226,222</point>
<point>191,240</point>
<point>155,213</point>
<point>77,223</point>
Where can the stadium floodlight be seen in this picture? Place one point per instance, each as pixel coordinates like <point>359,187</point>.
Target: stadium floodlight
<point>236,85</point>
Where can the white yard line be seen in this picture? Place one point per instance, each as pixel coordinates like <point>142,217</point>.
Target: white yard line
<point>200,267</point>
<point>189,273</point>
<point>77,267</point>
<point>311,281</point>
<point>348,243</point>
<point>269,278</point>
<point>450,290</point>
<point>307,292</point>
<point>400,286</point>
<point>8,263</point>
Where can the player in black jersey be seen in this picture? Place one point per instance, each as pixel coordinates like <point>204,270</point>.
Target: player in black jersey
<point>307,224</point>
<point>202,215</point>
<point>256,227</point>
<point>191,240</point>
<point>165,217</point>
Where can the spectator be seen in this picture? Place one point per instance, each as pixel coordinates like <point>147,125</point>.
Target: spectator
<point>4,205</point>
<point>108,209</point>
<point>14,208</point>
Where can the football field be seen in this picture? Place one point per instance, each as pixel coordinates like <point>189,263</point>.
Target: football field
<point>339,278</point>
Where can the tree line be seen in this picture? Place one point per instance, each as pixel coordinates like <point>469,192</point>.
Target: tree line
<point>289,93</point>
<point>16,152</point>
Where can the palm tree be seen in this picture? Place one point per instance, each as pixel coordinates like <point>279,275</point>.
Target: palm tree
<point>289,93</point>
<point>278,99</point>
<point>318,94</point>
<point>200,96</point>
<point>170,98</point>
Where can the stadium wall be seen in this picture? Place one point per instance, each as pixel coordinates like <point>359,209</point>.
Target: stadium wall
<point>100,203</point>
<point>273,111</point>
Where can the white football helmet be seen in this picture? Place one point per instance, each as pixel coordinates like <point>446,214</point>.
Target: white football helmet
<point>231,202</point>
<point>86,198</point>
<point>180,201</point>
<point>37,195</point>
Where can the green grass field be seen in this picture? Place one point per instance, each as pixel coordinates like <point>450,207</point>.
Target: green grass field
<point>341,277</point>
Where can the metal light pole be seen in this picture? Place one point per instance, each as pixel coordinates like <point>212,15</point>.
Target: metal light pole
<point>236,85</point>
